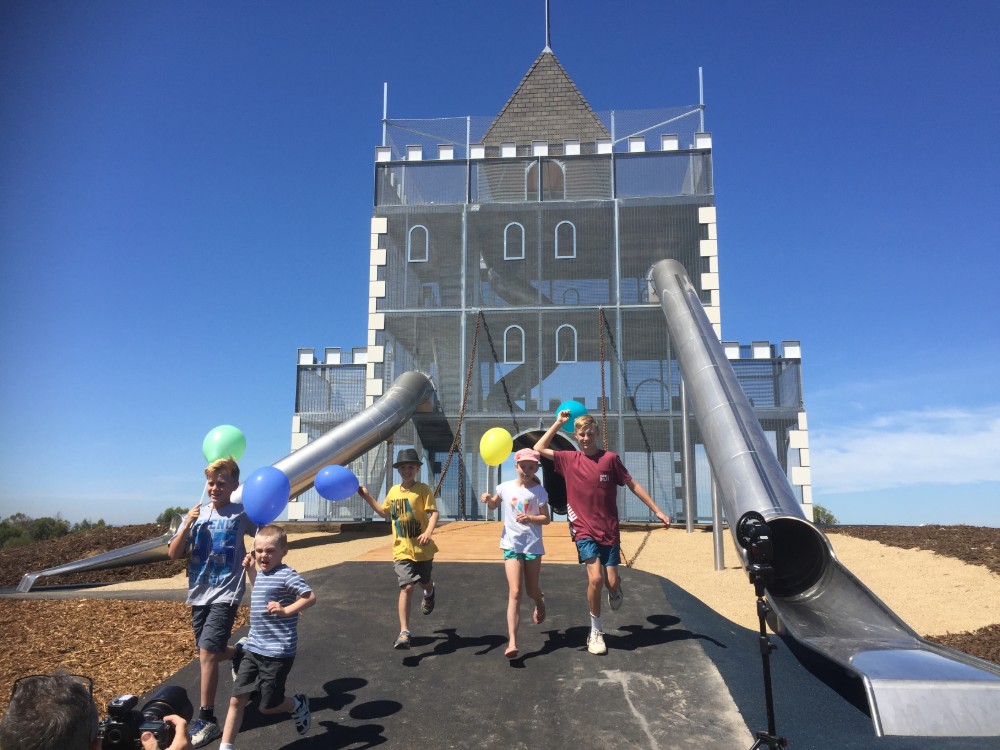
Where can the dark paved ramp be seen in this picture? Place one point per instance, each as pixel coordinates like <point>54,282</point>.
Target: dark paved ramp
<point>455,689</point>
<point>677,675</point>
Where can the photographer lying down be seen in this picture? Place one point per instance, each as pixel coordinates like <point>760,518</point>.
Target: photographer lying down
<point>57,712</point>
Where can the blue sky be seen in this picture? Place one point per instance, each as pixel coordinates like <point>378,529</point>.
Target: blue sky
<point>185,194</point>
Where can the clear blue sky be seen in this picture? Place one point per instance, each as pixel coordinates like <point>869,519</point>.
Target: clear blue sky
<point>185,195</point>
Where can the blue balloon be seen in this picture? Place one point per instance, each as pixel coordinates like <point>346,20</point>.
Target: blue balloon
<point>336,482</point>
<point>265,495</point>
<point>575,409</point>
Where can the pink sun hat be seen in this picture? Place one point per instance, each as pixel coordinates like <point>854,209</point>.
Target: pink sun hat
<point>527,454</point>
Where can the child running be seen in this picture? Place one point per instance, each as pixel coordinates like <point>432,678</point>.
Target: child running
<point>264,658</point>
<point>525,510</point>
<point>214,537</point>
<point>414,514</point>
<point>593,476</point>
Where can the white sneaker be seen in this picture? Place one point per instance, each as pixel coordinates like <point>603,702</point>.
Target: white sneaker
<point>615,598</point>
<point>302,715</point>
<point>595,643</point>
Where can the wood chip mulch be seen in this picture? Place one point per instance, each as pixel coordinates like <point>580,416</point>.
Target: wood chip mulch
<point>132,646</point>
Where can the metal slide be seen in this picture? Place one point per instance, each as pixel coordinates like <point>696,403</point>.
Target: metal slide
<point>914,687</point>
<point>343,443</point>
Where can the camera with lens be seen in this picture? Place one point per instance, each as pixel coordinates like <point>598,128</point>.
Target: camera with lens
<point>124,725</point>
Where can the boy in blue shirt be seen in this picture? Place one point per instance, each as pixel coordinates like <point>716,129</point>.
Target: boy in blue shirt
<point>264,658</point>
<point>214,537</point>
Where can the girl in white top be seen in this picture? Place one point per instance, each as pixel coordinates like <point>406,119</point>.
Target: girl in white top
<point>526,510</point>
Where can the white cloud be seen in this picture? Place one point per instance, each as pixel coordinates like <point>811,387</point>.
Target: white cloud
<point>907,448</point>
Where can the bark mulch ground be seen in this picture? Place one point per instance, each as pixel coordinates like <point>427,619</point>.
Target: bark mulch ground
<point>131,646</point>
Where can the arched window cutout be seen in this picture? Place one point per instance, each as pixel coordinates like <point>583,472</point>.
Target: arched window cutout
<point>513,345</point>
<point>565,240</point>
<point>553,181</point>
<point>513,241</point>
<point>565,343</point>
<point>418,244</point>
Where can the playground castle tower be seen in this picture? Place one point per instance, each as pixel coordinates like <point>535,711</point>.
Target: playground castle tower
<point>511,254</point>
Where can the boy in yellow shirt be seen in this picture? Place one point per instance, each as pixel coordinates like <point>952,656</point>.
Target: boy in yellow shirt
<point>414,514</point>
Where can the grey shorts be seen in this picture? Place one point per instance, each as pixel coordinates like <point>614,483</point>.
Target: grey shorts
<point>264,674</point>
<point>413,571</point>
<point>213,624</point>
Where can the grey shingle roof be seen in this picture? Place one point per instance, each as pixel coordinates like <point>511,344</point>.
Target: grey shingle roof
<point>546,106</point>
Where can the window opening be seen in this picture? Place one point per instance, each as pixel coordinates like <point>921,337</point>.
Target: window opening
<point>565,240</point>
<point>513,241</point>
<point>418,244</point>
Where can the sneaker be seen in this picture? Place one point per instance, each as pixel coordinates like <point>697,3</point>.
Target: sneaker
<point>427,605</point>
<point>301,715</point>
<point>595,643</point>
<point>615,598</point>
<point>402,640</point>
<point>237,656</point>
<point>201,732</point>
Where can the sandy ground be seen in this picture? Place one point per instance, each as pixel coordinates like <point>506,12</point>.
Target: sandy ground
<point>933,594</point>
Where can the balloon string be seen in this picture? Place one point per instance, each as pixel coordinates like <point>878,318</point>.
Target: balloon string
<point>203,491</point>
<point>244,574</point>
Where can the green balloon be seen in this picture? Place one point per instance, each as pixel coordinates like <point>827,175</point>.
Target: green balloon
<point>224,441</point>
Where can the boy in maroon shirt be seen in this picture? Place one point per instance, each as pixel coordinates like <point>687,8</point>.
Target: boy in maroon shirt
<point>593,476</point>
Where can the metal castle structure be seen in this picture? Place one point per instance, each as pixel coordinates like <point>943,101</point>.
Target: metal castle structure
<point>510,262</point>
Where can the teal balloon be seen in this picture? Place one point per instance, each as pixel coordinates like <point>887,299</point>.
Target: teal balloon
<point>265,495</point>
<point>336,483</point>
<point>222,442</point>
<point>575,409</point>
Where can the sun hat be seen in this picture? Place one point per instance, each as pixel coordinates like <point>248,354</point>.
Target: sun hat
<point>527,454</point>
<point>407,456</point>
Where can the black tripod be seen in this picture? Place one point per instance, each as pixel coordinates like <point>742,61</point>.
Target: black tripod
<point>754,535</point>
<point>760,575</point>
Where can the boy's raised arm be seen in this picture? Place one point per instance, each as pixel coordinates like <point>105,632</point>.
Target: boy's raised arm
<point>542,445</point>
<point>177,545</point>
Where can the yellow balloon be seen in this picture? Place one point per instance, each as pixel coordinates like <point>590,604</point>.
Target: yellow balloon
<point>495,445</point>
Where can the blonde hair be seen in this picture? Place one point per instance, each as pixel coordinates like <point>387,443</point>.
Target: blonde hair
<point>583,422</point>
<point>275,532</point>
<point>224,464</point>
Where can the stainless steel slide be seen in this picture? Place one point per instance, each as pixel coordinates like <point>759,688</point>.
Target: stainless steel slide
<point>914,687</point>
<point>343,443</point>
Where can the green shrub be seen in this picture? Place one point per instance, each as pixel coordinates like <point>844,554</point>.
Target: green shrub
<point>823,517</point>
<point>168,515</point>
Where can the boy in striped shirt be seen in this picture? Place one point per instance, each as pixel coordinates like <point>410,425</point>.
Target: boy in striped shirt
<point>264,658</point>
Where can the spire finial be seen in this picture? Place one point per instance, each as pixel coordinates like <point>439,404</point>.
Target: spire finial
<point>547,47</point>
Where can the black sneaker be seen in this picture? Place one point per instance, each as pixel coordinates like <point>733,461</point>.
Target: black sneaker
<point>427,605</point>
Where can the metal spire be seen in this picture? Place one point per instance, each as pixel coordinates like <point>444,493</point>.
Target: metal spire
<point>547,47</point>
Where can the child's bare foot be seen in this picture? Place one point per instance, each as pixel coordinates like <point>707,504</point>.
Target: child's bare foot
<point>539,616</point>
<point>511,652</point>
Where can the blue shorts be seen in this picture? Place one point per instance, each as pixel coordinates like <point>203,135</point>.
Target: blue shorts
<point>610,555</point>
<point>509,554</point>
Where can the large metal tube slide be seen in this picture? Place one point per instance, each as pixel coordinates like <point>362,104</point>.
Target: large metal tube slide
<point>358,434</point>
<point>746,470</point>
<point>914,687</point>
<point>343,443</point>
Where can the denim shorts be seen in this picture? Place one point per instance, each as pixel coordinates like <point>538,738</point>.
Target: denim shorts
<point>610,555</point>
<point>213,624</point>
<point>509,554</point>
